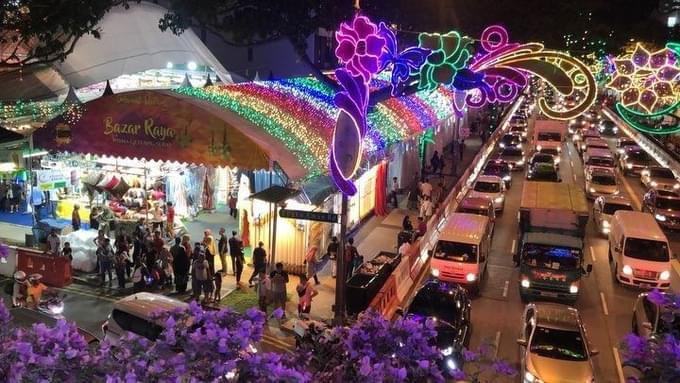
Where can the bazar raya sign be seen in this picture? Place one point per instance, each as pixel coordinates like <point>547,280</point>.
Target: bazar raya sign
<point>495,73</point>
<point>154,125</point>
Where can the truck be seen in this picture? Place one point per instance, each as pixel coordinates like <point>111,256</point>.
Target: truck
<point>549,134</point>
<point>552,225</point>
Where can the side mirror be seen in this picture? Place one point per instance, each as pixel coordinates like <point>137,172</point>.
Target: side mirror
<point>589,268</point>
<point>594,351</point>
<point>522,342</point>
<point>399,312</point>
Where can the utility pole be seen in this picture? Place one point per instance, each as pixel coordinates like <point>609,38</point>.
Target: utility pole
<point>341,278</point>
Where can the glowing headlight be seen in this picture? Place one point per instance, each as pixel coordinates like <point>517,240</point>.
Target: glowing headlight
<point>518,146</point>
<point>435,273</point>
<point>559,149</point>
<point>57,309</point>
<point>629,165</point>
<point>447,351</point>
<point>557,161</point>
<point>539,147</point>
<point>665,275</point>
<point>592,190</point>
<point>524,134</point>
<point>676,186</point>
<point>507,178</point>
<point>525,283</point>
<point>471,277</point>
<point>660,217</point>
<point>616,130</point>
<point>530,378</point>
<point>502,145</point>
<point>573,289</point>
<point>521,162</point>
<point>627,270</point>
<point>572,121</point>
<point>498,200</point>
<point>653,183</point>
<point>605,223</point>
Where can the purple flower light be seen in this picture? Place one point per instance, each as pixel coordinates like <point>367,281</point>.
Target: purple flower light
<point>360,47</point>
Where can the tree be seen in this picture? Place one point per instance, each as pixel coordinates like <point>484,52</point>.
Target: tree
<point>38,32</point>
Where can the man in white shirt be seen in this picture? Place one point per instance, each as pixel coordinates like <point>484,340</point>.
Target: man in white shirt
<point>426,188</point>
<point>53,201</point>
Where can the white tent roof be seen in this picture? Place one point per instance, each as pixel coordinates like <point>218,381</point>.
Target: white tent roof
<point>131,42</point>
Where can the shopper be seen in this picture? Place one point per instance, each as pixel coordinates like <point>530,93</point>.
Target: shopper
<point>405,248</point>
<point>67,251</point>
<point>406,224</point>
<point>350,255</point>
<point>279,279</point>
<point>53,243</point>
<point>394,192</point>
<point>217,279</point>
<point>259,262</point>
<point>240,262</point>
<point>234,249</point>
<point>106,258</point>
<point>223,249</point>
<point>312,263</point>
<point>170,217</point>
<point>422,227</point>
<point>435,162</point>
<point>426,208</point>
<point>139,234</point>
<point>157,215</point>
<point>3,195</point>
<point>425,189</point>
<point>210,249</point>
<point>200,276</point>
<point>38,202</point>
<point>264,288</point>
<point>121,260</point>
<point>75,217</point>
<point>413,195</point>
<point>232,205</point>
<point>180,266</point>
<point>94,218</point>
<point>332,251</point>
<point>306,294</point>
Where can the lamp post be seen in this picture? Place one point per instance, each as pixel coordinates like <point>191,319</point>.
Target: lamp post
<point>341,278</point>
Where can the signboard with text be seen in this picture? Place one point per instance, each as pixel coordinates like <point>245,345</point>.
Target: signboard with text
<point>309,215</point>
<point>51,179</point>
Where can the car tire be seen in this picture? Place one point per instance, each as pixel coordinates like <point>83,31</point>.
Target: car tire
<point>614,271</point>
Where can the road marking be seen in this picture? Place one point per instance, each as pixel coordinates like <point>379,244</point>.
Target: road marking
<point>571,163</point>
<point>617,360</point>
<point>505,289</point>
<point>512,248</point>
<point>497,343</point>
<point>592,254</point>
<point>634,197</point>
<point>574,176</point>
<point>604,304</point>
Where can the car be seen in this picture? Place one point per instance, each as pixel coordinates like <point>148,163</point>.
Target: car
<point>501,169</point>
<point>542,171</point>
<point>554,345</point>
<point>604,207</point>
<point>584,136</point>
<point>509,140</point>
<point>576,124</point>
<point>608,128</point>
<point>449,306</point>
<point>598,158</point>
<point>554,153</point>
<point>519,131</point>
<point>664,206</point>
<point>542,158</point>
<point>478,206</point>
<point>659,177</point>
<point>26,318</point>
<point>594,143</point>
<point>633,160</point>
<point>513,156</point>
<point>491,188</point>
<point>592,116</point>
<point>652,319</point>
<point>622,143</point>
<point>134,314</point>
<point>601,181</point>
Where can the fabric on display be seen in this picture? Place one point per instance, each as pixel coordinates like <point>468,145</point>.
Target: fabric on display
<point>84,249</point>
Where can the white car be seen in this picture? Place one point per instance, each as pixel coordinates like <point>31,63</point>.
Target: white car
<point>658,177</point>
<point>601,181</point>
<point>491,188</point>
<point>604,208</point>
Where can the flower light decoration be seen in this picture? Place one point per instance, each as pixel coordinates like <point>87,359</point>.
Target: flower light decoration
<point>497,73</point>
<point>649,88</point>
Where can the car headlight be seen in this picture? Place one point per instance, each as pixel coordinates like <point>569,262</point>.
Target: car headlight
<point>498,200</point>
<point>539,147</point>
<point>524,134</point>
<point>665,275</point>
<point>518,146</point>
<point>660,217</point>
<point>557,161</point>
<point>653,183</point>
<point>627,270</point>
<point>502,145</point>
<point>507,178</point>
<point>605,223</point>
<point>629,165</point>
<point>451,364</point>
<point>676,186</point>
<point>435,273</point>
<point>616,130</point>
<point>447,351</point>
<point>592,190</point>
<point>521,162</point>
<point>525,283</point>
<point>530,378</point>
<point>573,289</point>
<point>471,277</point>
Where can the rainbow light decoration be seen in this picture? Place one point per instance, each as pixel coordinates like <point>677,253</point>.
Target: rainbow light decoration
<point>649,90</point>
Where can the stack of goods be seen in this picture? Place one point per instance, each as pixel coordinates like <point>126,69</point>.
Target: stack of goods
<point>84,249</point>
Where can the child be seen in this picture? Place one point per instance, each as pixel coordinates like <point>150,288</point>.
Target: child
<point>264,286</point>
<point>218,286</point>
<point>67,252</point>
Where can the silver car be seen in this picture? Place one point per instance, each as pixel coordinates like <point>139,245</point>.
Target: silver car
<point>658,177</point>
<point>601,181</point>
<point>650,318</point>
<point>554,346</point>
<point>604,208</point>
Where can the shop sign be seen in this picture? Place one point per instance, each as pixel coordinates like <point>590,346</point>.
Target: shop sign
<point>51,179</point>
<point>309,215</point>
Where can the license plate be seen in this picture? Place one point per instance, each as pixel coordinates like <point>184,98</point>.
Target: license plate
<point>647,285</point>
<point>549,294</point>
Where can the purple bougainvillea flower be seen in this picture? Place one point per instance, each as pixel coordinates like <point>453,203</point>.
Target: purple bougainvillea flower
<point>360,47</point>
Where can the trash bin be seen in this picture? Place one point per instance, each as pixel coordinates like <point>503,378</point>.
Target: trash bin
<point>362,287</point>
<point>30,240</point>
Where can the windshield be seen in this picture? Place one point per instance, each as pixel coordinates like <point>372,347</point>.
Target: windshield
<point>604,180</point>
<point>668,203</point>
<point>473,211</point>
<point>661,173</point>
<point>510,139</point>
<point>487,187</point>
<point>517,128</point>
<point>547,158</point>
<point>601,161</point>
<point>551,257</point>
<point>510,151</point>
<point>435,305</point>
<point>495,167</point>
<point>549,136</point>
<point>558,344</point>
<point>646,249</point>
<point>459,252</point>
<point>638,156</point>
<point>542,174</point>
<point>551,151</point>
<point>611,208</point>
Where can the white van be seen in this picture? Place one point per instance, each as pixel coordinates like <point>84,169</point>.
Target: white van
<point>133,314</point>
<point>462,250</point>
<point>639,251</point>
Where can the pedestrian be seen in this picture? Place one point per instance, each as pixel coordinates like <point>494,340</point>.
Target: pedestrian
<point>140,277</point>
<point>413,195</point>
<point>394,192</point>
<point>210,249</point>
<point>259,262</point>
<point>305,293</point>
<point>239,262</point>
<point>138,235</point>
<point>312,262</point>
<point>94,218</point>
<point>234,249</point>
<point>52,202</point>
<point>122,243</point>
<point>38,201</point>
<point>157,242</point>
<point>406,224</point>
<point>435,162</point>
<point>332,251</point>
<point>53,243</point>
<point>264,288</point>
<point>232,205</point>
<point>170,217</point>
<point>99,242</point>
<point>120,266</point>
<point>426,188</point>
<point>426,208</point>
<point>75,217</point>
<point>157,215</point>
<point>180,266</point>
<point>106,259</point>
<point>3,195</point>
<point>279,279</point>
<point>350,254</point>
<point>200,276</point>
<point>218,286</point>
<point>67,251</point>
<point>165,257</point>
<point>223,249</point>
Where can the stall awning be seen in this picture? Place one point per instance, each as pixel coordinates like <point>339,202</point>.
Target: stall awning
<point>275,194</point>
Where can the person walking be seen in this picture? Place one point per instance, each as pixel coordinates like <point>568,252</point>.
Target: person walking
<point>217,279</point>
<point>413,195</point>
<point>223,249</point>
<point>306,294</point>
<point>232,205</point>
<point>435,162</point>
<point>210,249</point>
<point>120,264</point>
<point>139,234</point>
<point>53,243</point>
<point>239,261</point>
<point>394,192</point>
<point>312,262</point>
<point>461,151</point>
<point>264,288</point>
<point>201,275</point>
<point>52,202</point>
<point>234,249</point>
<point>170,217</point>
<point>332,251</point>
<point>106,258</point>
<point>279,279</point>
<point>406,224</point>
<point>426,208</point>
<point>259,262</point>
<point>180,266</point>
<point>426,188</point>
<point>350,254</point>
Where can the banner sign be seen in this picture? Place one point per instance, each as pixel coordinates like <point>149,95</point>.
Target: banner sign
<point>309,215</point>
<point>51,179</point>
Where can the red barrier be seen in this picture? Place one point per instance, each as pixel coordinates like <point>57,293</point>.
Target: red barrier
<point>56,271</point>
